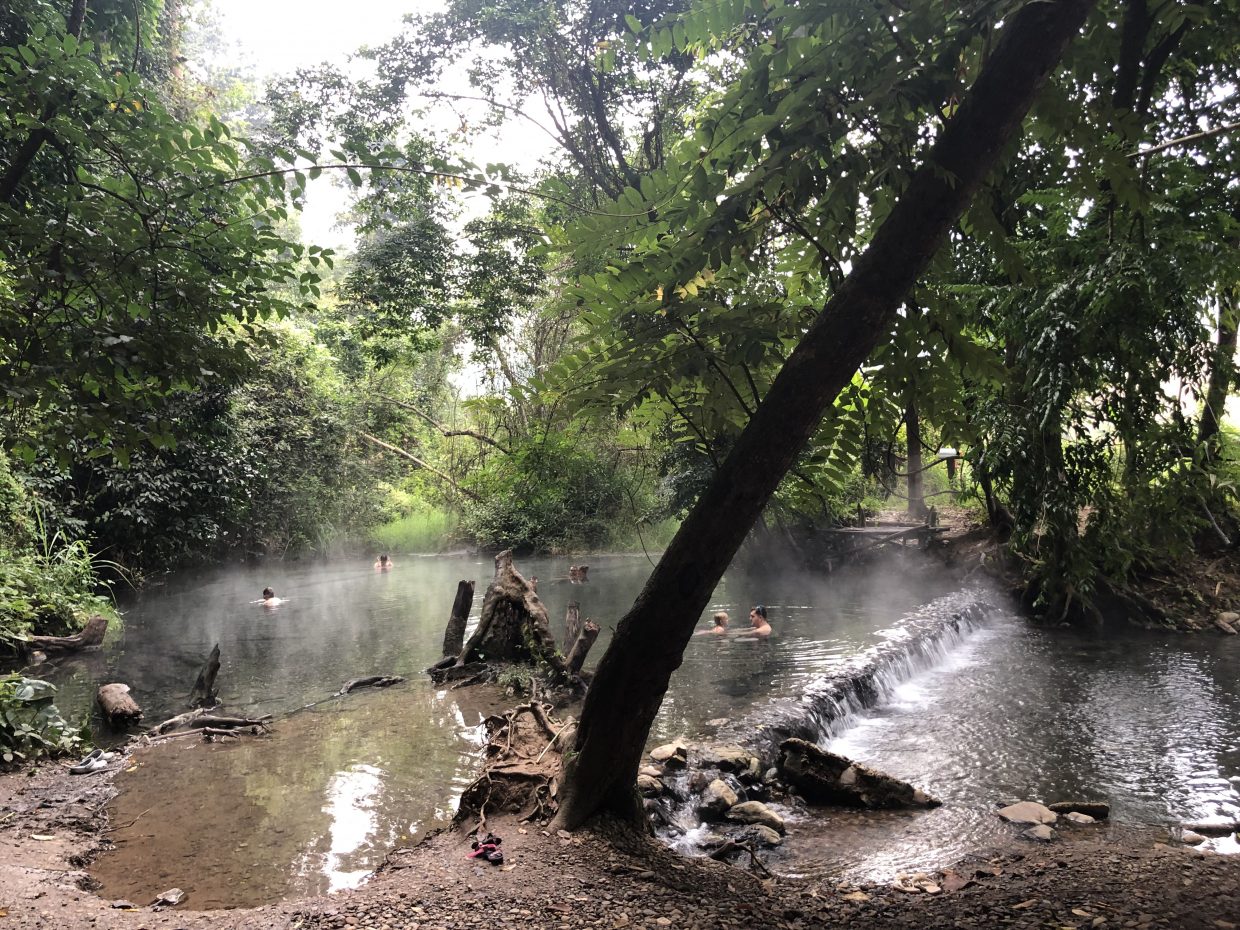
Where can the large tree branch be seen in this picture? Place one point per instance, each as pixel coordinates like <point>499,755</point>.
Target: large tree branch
<point>445,430</point>
<point>649,642</point>
<point>421,464</point>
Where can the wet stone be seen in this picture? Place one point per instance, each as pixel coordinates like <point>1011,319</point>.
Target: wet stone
<point>1028,812</point>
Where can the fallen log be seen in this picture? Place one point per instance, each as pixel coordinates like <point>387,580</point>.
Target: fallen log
<point>90,635</point>
<point>208,720</point>
<point>204,693</point>
<point>454,634</point>
<point>826,778</point>
<point>581,647</point>
<point>372,681</point>
<point>119,709</point>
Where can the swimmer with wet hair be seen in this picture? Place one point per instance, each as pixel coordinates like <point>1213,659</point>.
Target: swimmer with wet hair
<point>758,623</point>
<point>720,628</point>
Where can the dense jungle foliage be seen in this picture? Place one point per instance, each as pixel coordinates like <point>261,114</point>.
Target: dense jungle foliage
<point>559,356</point>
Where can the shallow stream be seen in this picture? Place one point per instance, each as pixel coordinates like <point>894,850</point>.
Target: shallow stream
<point>1151,722</point>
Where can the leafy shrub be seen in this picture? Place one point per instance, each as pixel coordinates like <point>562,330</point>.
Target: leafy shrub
<point>31,725</point>
<point>553,494</point>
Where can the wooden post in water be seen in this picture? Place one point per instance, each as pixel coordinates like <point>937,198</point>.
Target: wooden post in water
<point>454,635</point>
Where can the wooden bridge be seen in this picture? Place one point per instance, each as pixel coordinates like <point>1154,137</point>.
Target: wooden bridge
<point>851,540</point>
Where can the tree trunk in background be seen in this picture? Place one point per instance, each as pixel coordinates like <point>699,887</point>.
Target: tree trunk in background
<point>1222,374</point>
<point>912,438</point>
<point>649,642</point>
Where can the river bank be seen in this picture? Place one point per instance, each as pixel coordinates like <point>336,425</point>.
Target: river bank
<point>54,823</point>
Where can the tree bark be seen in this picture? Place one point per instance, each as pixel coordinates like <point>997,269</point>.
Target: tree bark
<point>454,634</point>
<point>649,642</point>
<point>581,646</point>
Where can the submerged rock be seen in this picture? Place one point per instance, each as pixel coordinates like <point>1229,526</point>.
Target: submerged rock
<point>1042,833</point>
<point>1224,625</point>
<point>717,799</point>
<point>1189,838</point>
<point>763,834</point>
<point>1079,819</point>
<point>823,777</point>
<point>1212,827</point>
<point>757,812</point>
<point>1028,812</point>
<point>728,758</point>
<point>1099,810</point>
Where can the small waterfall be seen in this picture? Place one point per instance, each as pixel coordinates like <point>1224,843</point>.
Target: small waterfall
<point>913,644</point>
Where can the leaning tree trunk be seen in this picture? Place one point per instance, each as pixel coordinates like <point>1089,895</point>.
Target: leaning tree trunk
<point>649,642</point>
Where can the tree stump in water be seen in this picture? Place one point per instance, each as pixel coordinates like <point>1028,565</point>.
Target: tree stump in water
<point>91,635</point>
<point>513,626</point>
<point>119,709</point>
<point>454,635</point>
<point>581,647</point>
<point>204,693</point>
<point>572,624</point>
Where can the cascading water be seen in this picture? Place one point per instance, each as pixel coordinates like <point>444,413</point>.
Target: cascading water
<point>918,641</point>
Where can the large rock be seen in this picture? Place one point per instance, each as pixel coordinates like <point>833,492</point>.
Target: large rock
<point>1099,810</point>
<point>717,800</point>
<point>649,786</point>
<point>1028,812</point>
<point>757,812</point>
<point>1079,819</point>
<point>671,755</point>
<point>1224,625</point>
<point>728,758</point>
<point>826,778</point>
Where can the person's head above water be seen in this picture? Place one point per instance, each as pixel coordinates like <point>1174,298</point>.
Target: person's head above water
<point>268,594</point>
<point>383,559</point>
<point>721,618</point>
<point>758,615</point>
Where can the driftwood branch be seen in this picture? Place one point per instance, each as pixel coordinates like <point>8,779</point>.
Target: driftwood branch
<point>447,431</point>
<point>119,709</point>
<point>371,681</point>
<point>1191,137</point>
<point>421,464</point>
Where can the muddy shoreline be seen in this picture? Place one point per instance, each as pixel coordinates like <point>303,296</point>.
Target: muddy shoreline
<point>55,823</point>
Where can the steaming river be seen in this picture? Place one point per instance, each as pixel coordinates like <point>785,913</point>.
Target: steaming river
<point>1149,721</point>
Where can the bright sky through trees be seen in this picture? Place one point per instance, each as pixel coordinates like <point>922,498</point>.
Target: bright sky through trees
<point>278,36</point>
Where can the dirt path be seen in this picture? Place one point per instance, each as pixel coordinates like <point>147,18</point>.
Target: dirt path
<point>607,878</point>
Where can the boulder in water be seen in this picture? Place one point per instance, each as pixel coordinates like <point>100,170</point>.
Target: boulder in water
<point>728,758</point>
<point>1212,827</point>
<point>1078,819</point>
<point>762,834</point>
<point>757,812</point>
<point>1099,810</point>
<point>671,755</point>
<point>1028,812</point>
<point>648,785</point>
<point>717,800</point>
<point>823,777</point>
